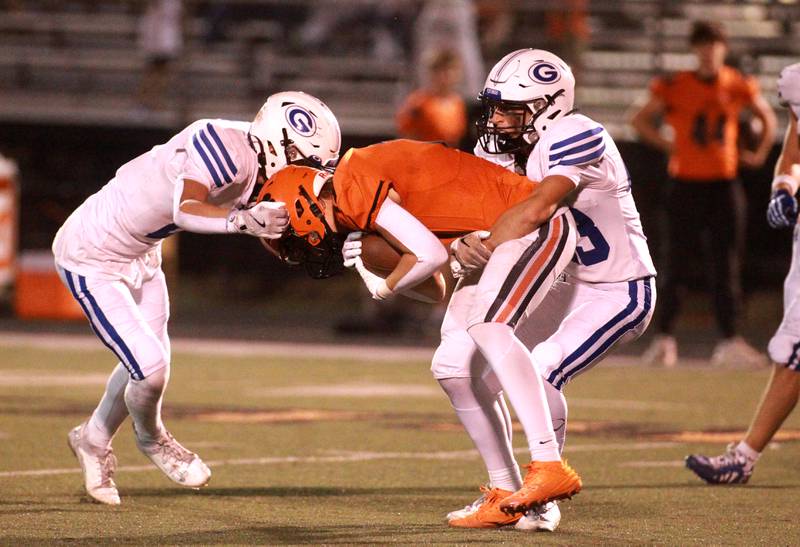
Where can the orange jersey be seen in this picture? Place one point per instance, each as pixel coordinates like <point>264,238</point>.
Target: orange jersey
<point>451,192</point>
<point>429,117</point>
<point>705,116</point>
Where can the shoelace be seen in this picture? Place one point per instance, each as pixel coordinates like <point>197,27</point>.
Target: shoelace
<point>108,465</point>
<point>173,451</point>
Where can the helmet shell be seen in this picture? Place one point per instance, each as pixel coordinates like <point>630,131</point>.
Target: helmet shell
<point>295,126</point>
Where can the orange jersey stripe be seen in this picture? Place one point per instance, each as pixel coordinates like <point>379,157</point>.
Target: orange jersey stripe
<point>532,271</point>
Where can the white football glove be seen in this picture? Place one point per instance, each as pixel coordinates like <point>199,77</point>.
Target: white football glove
<point>789,88</point>
<point>468,253</point>
<point>376,285</point>
<point>351,250</point>
<point>267,219</point>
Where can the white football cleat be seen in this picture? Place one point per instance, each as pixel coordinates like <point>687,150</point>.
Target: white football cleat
<point>540,518</point>
<point>663,351</point>
<point>98,467</point>
<point>179,464</point>
<point>467,510</point>
<point>736,353</point>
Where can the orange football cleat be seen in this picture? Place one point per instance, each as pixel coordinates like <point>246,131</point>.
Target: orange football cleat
<point>489,514</point>
<point>545,482</point>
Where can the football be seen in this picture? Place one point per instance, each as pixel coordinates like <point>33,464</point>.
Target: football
<point>378,255</point>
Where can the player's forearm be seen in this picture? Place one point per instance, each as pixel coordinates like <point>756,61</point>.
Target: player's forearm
<point>650,133</point>
<point>518,221</point>
<point>765,114</point>
<point>423,253</point>
<point>191,211</point>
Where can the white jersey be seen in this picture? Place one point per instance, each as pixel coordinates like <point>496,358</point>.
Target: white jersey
<point>612,245</point>
<point>117,232</point>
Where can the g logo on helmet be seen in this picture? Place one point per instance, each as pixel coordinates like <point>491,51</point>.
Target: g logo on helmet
<point>301,120</point>
<point>544,73</point>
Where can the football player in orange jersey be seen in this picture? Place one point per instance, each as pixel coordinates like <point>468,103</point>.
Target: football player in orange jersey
<point>705,197</point>
<point>411,192</point>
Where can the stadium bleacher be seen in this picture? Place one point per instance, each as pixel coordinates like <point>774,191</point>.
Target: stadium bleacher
<point>79,61</point>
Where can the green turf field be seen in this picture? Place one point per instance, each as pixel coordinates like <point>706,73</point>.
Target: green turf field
<point>348,452</point>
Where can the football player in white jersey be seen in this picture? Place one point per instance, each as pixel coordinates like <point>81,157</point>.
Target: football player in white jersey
<point>605,297</point>
<point>781,394</point>
<point>108,253</point>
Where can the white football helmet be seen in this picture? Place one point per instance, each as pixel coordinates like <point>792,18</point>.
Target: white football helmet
<point>789,88</point>
<point>525,81</point>
<point>295,128</point>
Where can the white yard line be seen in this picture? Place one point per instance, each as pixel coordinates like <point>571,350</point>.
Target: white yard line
<point>669,463</point>
<point>341,457</point>
<point>233,348</point>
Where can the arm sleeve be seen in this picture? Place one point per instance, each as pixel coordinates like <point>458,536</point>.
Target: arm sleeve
<point>218,156</point>
<point>195,223</point>
<point>431,254</point>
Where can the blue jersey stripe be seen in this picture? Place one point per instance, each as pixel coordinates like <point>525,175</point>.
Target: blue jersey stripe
<point>221,147</point>
<point>68,275</point>
<point>164,231</point>
<point>580,148</point>
<point>576,138</point>
<point>591,157</point>
<point>214,155</point>
<point>599,333</point>
<point>210,167</point>
<point>616,335</point>
<point>136,372</point>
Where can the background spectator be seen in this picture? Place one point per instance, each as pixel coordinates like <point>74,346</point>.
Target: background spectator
<point>706,205</point>
<point>436,112</point>
<point>161,41</point>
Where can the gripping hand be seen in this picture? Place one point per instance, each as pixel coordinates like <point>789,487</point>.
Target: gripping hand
<point>351,250</point>
<point>468,253</point>
<point>376,285</point>
<point>782,210</point>
<point>266,219</point>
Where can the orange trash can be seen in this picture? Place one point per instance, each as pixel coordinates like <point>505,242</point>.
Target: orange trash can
<point>39,292</point>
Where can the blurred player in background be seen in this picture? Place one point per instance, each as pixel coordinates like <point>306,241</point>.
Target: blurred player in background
<point>108,252</point>
<point>706,199</point>
<point>780,396</point>
<point>442,194</point>
<point>436,112</point>
<point>606,296</point>
<point>433,113</point>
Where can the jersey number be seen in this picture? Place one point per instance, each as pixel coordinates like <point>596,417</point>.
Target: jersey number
<point>587,228</point>
<point>705,131</point>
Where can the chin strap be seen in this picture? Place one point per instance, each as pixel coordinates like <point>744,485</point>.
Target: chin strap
<point>261,178</point>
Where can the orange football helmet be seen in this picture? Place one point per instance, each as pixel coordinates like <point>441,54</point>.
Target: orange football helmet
<point>309,239</point>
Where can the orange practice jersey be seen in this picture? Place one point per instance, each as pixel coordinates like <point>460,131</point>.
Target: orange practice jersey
<point>705,116</point>
<point>451,192</point>
<point>429,117</point>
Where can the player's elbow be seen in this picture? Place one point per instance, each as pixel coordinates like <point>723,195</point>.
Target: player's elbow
<point>435,257</point>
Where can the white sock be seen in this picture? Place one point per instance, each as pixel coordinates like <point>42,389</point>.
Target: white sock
<point>748,451</point>
<point>512,364</point>
<point>143,399</point>
<point>507,478</point>
<point>483,418</point>
<point>110,412</point>
<point>557,404</point>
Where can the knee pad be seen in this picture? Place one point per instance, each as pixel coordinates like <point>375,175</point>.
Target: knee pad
<point>493,337</point>
<point>547,356</point>
<point>781,347</point>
